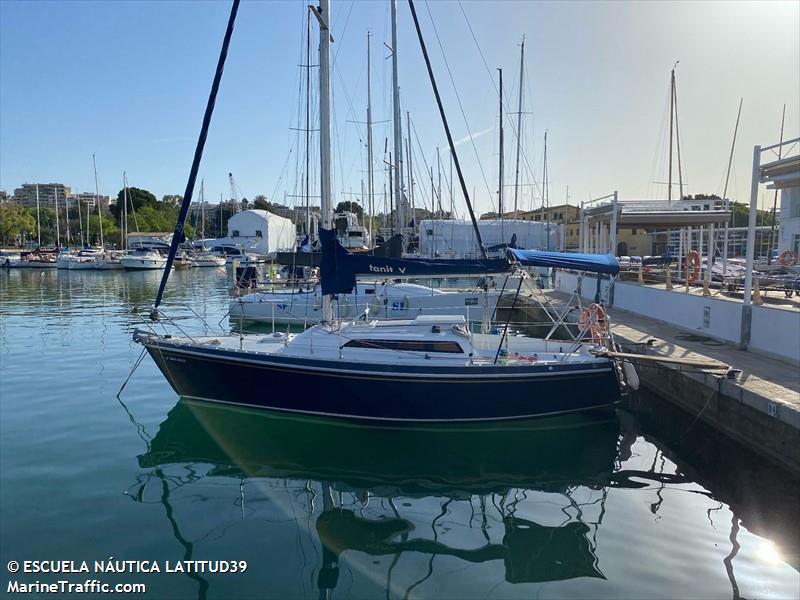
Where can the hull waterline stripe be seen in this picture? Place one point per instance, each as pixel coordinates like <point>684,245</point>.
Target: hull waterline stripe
<point>399,420</point>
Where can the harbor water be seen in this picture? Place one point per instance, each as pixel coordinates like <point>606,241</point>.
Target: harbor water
<point>640,502</point>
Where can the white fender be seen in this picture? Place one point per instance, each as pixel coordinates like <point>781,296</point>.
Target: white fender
<point>631,376</point>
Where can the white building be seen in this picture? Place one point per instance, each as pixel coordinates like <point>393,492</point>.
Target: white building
<point>259,232</point>
<point>448,238</point>
<point>789,236</point>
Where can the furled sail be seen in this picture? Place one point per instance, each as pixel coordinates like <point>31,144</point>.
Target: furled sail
<point>594,263</point>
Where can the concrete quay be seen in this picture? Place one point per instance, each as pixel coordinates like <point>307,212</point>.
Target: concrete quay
<point>759,409</point>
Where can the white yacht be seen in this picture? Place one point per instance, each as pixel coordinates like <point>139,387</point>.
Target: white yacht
<point>110,261</point>
<point>9,256</point>
<point>141,260</point>
<point>207,259</point>
<point>349,232</point>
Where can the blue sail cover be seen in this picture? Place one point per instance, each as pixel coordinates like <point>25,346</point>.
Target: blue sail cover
<point>595,263</point>
<point>339,268</point>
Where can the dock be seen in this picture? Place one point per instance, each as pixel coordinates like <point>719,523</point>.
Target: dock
<point>759,408</point>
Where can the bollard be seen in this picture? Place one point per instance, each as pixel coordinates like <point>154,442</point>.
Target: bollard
<point>757,300</point>
<point>669,278</point>
<point>707,283</point>
<point>641,272</point>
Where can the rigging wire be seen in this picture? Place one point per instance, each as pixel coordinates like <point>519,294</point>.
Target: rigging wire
<point>509,113</point>
<point>460,106</point>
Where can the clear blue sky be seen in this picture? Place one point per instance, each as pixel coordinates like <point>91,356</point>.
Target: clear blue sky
<point>128,81</point>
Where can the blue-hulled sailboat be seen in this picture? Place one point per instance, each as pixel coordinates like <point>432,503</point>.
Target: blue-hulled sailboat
<point>427,369</point>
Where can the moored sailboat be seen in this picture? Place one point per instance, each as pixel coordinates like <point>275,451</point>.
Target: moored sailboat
<point>431,368</point>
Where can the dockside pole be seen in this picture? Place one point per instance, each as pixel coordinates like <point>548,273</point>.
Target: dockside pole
<point>747,308</point>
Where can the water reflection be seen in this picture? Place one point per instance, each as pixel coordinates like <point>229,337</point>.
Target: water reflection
<point>488,467</point>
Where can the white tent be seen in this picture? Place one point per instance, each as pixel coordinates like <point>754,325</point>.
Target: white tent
<point>448,238</point>
<point>259,232</point>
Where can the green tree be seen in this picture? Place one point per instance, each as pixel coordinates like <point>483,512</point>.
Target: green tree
<point>137,197</point>
<point>260,202</point>
<point>110,230</point>
<point>15,223</point>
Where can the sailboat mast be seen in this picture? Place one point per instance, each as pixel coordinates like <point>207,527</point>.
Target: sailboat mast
<point>398,133</point>
<point>452,203</point>
<point>678,139</point>
<point>38,219</point>
<point>775,198</point>
<point>725,192</point>
<point>308,124</point>
<point>97,201</point>
<point>80,222</point>
<point>544,175</point>
<point>66,216</point>
<point>58,229</point>
<point>202,210</point>
<point>124,240</point>
<point>370,179</point>
<point>391,193</point>
<point>410,169</point>
<point>439,179</point>
<point>519,123</point>
<point>500,168</point>
<point>671,127</point>
<point>545,194</point>
<point>324,17</point>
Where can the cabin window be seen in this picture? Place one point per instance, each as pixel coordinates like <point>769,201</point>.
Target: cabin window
<point>235,233</point>
<point>408,345</point>
<point>259,234</point>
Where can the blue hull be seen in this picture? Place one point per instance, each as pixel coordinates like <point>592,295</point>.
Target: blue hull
<point>383,392</point>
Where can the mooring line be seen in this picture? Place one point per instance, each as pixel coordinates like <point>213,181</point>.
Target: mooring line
<point>133,369</point>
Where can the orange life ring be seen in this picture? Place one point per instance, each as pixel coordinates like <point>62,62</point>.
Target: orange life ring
<point>788,258</point>
<point>693,257</point>
<point>593,320</point>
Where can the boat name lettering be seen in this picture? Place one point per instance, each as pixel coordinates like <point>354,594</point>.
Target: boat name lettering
<point>386,269</point>
<point>176,359</point>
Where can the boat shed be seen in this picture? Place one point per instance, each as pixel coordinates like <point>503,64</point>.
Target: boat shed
<point>259,232</point>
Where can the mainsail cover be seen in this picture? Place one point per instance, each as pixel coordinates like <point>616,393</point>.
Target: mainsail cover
<point>339,268</point>
<point>595,263</point>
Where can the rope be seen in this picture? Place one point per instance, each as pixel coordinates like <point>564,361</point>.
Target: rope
<point>133,369</point>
